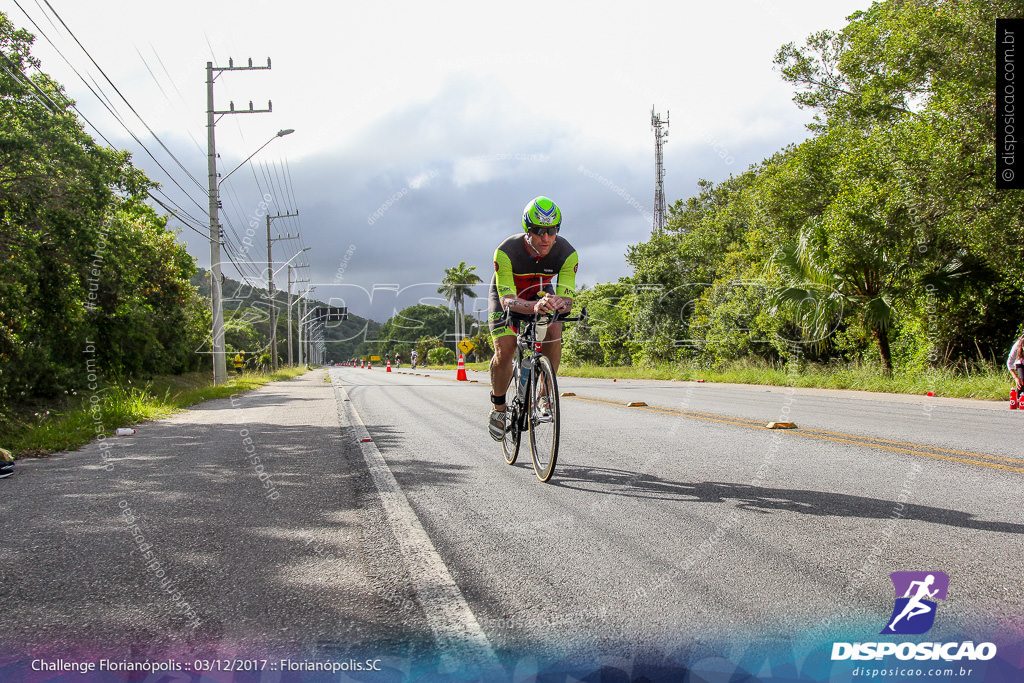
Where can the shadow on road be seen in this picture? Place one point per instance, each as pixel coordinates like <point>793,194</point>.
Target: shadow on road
<point>197,538</point>
<point>763,499</point>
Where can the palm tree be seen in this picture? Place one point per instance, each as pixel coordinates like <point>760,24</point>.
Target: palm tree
<point>817,297</point>
<point>455,287</point>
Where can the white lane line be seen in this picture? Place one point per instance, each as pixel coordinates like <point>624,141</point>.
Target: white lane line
<point>456,630</point>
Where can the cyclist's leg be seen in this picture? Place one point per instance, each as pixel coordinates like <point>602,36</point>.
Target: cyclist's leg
<point>501,364</point>
<point>552,345</point>
<point>504,341</point>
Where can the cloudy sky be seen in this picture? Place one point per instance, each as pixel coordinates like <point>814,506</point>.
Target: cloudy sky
<point>422,129</point>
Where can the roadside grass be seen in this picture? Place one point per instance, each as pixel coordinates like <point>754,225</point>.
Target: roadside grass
<point>46,428</point>
<point>982,381</point>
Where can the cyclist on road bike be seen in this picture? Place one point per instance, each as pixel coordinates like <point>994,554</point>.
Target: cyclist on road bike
<point>525,267</point>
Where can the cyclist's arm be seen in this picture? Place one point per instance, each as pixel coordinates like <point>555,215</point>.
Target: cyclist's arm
<point>565,291</point>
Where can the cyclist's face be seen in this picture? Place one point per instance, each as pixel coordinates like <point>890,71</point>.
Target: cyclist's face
<point>541,243</point>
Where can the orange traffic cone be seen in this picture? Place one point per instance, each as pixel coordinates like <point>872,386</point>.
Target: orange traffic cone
<point>362,364</point>
<point>389,365</point>
<point>461,374</point>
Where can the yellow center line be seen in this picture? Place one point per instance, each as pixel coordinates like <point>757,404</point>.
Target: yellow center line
<point>971,458</point>
<point>740,422</point>
<point>914,445</point>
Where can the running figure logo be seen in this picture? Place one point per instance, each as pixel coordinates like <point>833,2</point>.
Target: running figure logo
<point>916,594</point>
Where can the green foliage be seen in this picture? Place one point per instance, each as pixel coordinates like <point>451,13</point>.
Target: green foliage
<point>606,336</point>
<point>880,238</point>
<point>240,335</point>
<point>425,327</point>
<point>84,264</point>
<point>441,356</point>
<point>483,345</point>
<point>414,323</point>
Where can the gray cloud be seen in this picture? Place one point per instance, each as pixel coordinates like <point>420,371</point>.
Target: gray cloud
<point>445,180</point>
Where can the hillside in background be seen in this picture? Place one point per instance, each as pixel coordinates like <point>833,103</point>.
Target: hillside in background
<point>243,302</point>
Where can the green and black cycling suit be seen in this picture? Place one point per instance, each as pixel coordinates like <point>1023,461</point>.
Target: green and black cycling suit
<point>521,273</point>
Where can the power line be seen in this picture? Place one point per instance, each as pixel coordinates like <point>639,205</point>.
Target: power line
<point>23,79</point>
<point>180,96</point>
<point>109,109</point>
<point>121,95</point>
<point>35,89</point>
<point>151,74</point>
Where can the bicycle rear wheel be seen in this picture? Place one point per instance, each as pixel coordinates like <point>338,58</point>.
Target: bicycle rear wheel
<point>543,412</point>
<point>513,434</point>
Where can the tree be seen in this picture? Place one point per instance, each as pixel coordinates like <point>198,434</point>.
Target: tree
<point>455,287</point>
<point>904,95</point>
<point>84,263</point>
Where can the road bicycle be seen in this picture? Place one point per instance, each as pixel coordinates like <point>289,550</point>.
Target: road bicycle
<point>534,405</point>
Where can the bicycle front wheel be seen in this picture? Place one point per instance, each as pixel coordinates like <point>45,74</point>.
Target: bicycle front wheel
<point>542,407</point>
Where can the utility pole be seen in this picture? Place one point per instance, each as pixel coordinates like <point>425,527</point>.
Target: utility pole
<point>659,169</point>
<point>220,372</point>
<point>304,328</point>
<point>270,285</point>
<point>290,267</point>
<point>302,323</point>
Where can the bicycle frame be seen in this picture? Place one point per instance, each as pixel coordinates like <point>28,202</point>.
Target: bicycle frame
<point>525,364</point>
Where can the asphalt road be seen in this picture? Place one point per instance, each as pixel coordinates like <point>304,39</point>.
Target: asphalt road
<point>240,526</point>
<point>381,520</point>
<point>687,521</point>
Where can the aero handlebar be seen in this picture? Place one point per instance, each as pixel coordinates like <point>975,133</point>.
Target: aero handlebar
<point>552,317</point>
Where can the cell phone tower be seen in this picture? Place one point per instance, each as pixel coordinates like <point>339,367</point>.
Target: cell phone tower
<point>660,129</point>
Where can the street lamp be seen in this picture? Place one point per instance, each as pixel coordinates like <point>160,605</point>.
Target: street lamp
<point>220,372</point>
<point>279,134</point>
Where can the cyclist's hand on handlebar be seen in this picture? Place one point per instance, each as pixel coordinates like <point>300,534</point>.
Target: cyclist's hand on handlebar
<point>551,304</point>
<point>542,306</point>
<point>562,304</point>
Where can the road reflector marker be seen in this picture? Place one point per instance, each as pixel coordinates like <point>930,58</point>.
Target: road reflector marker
<point>781,425</point>
<point>567,393</point>
<point>365,440</point>
<point>635,404</point>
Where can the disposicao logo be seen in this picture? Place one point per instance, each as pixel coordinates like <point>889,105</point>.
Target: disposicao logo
<point>914,613</point>
<point>916,594</point>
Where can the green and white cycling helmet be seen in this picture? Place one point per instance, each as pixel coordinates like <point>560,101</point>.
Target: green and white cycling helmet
<point>541,213</point>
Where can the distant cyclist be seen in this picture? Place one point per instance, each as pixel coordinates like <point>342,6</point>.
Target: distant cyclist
<point>534,272</point>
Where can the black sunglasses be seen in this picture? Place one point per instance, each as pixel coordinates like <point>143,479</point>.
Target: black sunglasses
<point>537,230</point>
